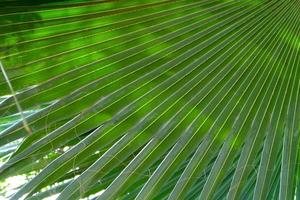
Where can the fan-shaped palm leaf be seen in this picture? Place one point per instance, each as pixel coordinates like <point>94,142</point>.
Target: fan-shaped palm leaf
<point>149,99</point>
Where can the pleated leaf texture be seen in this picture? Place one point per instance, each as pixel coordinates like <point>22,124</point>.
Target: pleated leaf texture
<point>150,99</point>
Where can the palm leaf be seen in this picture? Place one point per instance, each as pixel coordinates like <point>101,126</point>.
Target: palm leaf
<point>149,99</point>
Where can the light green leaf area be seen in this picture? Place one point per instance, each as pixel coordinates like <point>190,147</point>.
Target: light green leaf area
<point>150,99</point>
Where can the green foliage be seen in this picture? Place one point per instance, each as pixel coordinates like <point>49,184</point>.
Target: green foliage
<point>149,99</point>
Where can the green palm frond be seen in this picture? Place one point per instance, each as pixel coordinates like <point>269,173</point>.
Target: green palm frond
<point>150,99</point>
